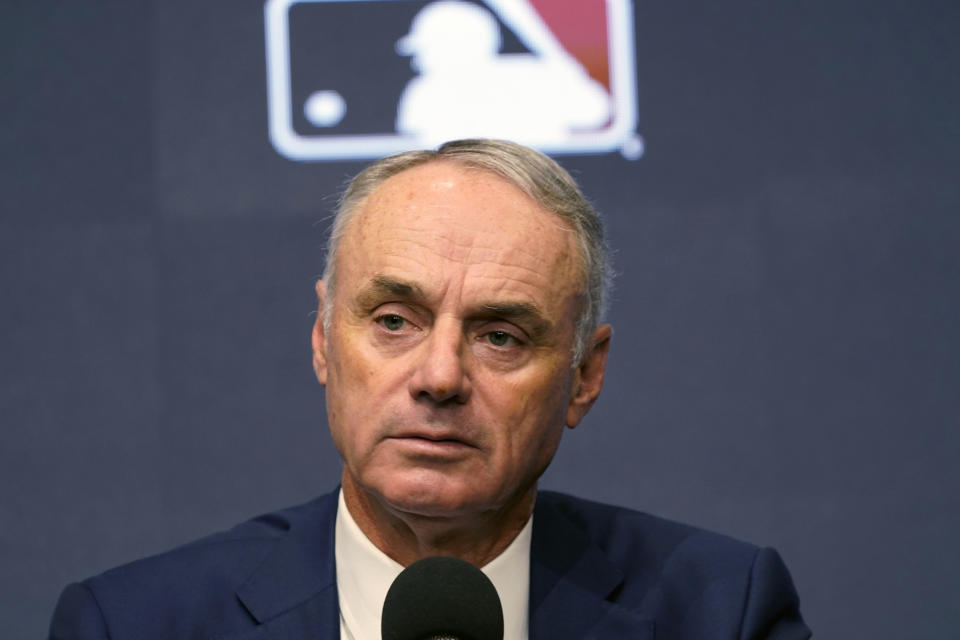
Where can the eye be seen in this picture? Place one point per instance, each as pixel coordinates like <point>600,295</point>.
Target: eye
<point>391,321</point>
<point>500,338</point>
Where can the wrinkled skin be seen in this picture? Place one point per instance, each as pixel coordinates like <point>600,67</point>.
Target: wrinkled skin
<point>448,360</point>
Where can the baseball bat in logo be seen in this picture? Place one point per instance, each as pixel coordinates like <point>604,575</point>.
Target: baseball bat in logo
<point>350,79</point>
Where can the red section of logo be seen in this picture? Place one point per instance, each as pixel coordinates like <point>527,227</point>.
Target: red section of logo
<point>581,27</point>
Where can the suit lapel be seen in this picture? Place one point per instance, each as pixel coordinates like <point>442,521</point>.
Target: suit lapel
<point>573,585</point>
<point>293,594</point>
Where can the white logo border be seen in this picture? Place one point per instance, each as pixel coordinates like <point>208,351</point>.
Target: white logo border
<point>620,135</point>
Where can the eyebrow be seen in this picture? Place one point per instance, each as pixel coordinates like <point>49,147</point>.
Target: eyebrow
<point>381,286</point>
<point>538,326</point>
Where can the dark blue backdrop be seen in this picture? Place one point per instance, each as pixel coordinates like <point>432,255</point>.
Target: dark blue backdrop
<point>786,361</point>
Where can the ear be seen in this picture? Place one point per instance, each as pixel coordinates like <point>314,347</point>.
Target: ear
<point>588,376</point>
<point>318,337</point>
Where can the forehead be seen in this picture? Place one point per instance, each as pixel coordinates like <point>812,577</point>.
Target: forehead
<point>440,219</point>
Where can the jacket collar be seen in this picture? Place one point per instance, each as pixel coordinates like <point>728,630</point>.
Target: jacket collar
<point>299,574</point>
<point>573,585</point>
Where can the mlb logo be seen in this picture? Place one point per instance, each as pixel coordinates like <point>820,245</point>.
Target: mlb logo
<point>360,79</point>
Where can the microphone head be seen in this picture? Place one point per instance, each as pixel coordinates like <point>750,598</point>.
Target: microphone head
<point>440,597</point>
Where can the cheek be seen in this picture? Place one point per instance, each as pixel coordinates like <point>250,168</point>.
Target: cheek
<point>347,395</point>
<point>531,416</point>
<point>352,370</point>
<point>336,413</point>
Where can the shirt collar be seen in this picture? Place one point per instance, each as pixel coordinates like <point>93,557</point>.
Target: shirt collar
<point>364,574</point>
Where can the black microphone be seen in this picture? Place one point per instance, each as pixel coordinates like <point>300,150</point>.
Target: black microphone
<point>441,598</point>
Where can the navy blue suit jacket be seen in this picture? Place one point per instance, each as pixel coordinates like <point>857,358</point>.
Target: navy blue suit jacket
<point>596,571</point>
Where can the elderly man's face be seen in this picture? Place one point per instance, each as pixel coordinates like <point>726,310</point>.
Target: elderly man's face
<point>448,357</point>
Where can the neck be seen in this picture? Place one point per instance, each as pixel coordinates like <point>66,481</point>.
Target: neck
<point>407,537</point>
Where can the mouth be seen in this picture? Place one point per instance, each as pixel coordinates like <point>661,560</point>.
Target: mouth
<point>432,444</point>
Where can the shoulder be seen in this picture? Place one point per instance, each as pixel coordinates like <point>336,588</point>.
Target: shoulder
<point>688,579</point>
<point>638,536</point>
<point>225,556</point>
<point>196,581</point>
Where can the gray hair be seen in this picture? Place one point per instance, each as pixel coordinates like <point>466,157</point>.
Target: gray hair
<point>543,180</point>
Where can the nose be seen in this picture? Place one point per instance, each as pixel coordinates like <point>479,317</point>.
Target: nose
<point>441,373</point>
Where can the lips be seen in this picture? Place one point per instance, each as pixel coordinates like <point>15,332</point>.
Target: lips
<point>428,441</point>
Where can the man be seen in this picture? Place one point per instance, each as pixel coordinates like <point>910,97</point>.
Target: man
<point>458,333</point>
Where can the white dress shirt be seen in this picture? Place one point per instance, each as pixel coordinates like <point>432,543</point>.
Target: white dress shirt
<point>364,574</point>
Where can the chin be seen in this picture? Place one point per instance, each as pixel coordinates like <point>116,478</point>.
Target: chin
<point>429,499</point>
